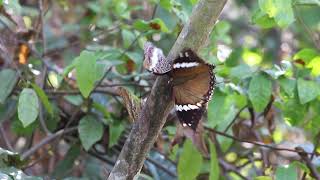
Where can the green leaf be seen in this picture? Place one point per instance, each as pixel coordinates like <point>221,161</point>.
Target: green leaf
<point>166,4</point>
<point>293,111</point>
<point>307,90</point>
<point>284,173</point>
<point>214,163</point>
<point>162,25</point>
<point>43,97</point>
<point>221,109</point>
<point>190,162</point>
<point>288,85</point>
<point>306,55</point>
<point>115,133</point>
<point>90,131</point>
<point>141,25</point>
<point>127,37</point>
<point>268,7</point>
<point>28,106</point>
<point>263,20</point>
<point>86,72</point>
<point>315,66</point>
<point>284,16</point>
<point>281,11</point>
<point>8,79</point>
<point>260,89</point>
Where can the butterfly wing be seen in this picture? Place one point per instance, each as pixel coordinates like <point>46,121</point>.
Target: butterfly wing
<point>154,60</point>
<point>193,81</point>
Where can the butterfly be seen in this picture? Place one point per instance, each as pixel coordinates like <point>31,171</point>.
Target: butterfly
<point>193,82</point>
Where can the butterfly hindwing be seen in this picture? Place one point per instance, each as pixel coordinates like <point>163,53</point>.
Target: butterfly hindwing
<point>193,81</point>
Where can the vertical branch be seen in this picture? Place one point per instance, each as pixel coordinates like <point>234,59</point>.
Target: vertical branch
<point>155,111</point>
<point>44,67</point>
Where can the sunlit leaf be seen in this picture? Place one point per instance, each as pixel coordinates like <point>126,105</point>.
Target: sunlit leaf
<point>28,106</point>
<point>315,66</point>
<point>251,58</point>
<point>8,79</point>
<point>281,11</point>
<point>190,162</point>
<point>260,90</point>
<point>263,20</point>
<point>306,55</point>
<point>90,131</point>
<point>86,72</point>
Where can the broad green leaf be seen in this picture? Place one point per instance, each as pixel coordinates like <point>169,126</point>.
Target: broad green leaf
<point>115,133</point>
<point>315,66</point>
<point>263,20</point>
<point>190,162</point>
<point>127,37</point>
<point>8,79</point>
<point>306,55</point>
<point>284,15</point>
<point>260,89</point>
<point>241,72</point>
<point>293,111</point>
<point>28,106</point>
<point>281,11</point>
<point>285,173</point>
<point>307,90</point>
<point>268,7</point>
<point>221,109</point>
<point>214,163</point>
<point>166,4</point>
<point>63,167</point>
<point>90,131</point>
<point>86,72</point>
<point>43,97</point>
<point>141,25</point>
<point>251,58</point>
<point>159,22</point>
<point>288,85</point>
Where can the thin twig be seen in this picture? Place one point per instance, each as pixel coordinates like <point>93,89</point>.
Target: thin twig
<point>307,29</point>
<point>47,140</point>
<point>44,68</point>
<point>252,142</point>
<point>234,119</point>
<point>313,154</point>
<point>5,138</point>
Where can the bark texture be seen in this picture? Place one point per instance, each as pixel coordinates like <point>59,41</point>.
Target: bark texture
<point>155,111</point>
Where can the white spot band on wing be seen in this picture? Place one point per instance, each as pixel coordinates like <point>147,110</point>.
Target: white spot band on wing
<point>185,65</point>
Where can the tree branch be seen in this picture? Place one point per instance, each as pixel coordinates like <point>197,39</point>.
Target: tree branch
<point>155,111</point>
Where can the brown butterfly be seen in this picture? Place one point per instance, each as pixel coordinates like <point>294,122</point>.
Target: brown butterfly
<point>193,82</point>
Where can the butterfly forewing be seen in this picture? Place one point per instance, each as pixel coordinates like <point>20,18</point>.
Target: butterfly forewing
<point>193,81</point>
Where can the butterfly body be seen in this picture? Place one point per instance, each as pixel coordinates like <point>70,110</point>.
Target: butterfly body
<point>193,83</point>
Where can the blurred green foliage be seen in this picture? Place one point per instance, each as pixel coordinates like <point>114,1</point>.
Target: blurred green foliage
<point>270,80</point>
